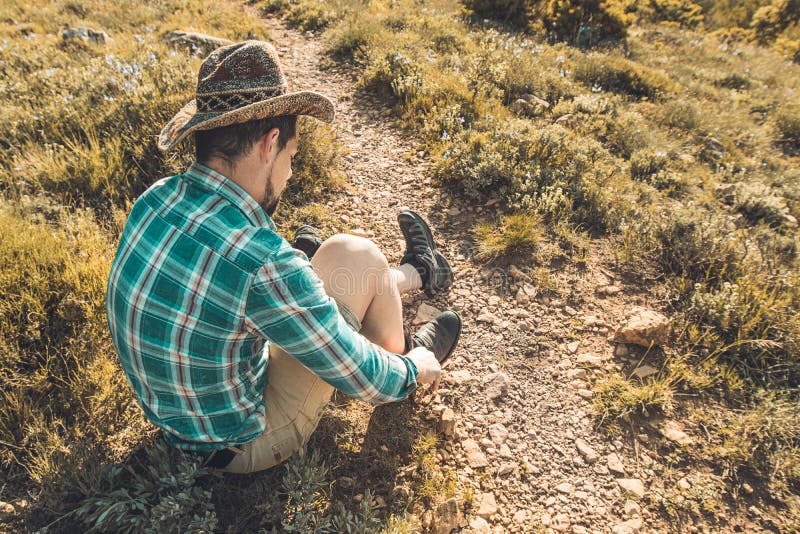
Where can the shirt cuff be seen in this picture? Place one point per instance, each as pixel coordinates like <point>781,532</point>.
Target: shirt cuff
<point>411,380</point>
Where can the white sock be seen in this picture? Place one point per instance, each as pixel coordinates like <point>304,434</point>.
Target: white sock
<point>406,277</point>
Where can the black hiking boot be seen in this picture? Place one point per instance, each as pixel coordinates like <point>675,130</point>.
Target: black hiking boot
<point>433,268</point>
<point>307,240</point>
<point>440,336</point>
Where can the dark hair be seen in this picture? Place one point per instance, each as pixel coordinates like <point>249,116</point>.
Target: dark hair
<point>230,142</point>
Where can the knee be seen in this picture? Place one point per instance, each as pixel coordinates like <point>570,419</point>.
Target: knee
<point>346,248</point>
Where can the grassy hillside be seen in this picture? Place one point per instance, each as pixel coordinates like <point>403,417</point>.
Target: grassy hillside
<point>674,148</point>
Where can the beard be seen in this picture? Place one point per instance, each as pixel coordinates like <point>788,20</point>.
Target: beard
<point>270,202</point>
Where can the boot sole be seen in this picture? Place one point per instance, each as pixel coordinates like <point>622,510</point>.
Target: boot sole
<point>455,340</point>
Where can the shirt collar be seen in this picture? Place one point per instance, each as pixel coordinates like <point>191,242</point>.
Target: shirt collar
<point>229,189</point>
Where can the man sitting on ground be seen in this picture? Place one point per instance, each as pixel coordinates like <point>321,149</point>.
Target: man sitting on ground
<point>232,340</point>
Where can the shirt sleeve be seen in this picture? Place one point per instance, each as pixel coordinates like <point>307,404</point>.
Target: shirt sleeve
<point>287,305</point>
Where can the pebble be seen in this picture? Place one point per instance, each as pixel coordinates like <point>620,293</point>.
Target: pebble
<point>447,423</point>
<point>566,488</point>
<point>590,359</point>
<point>615,464</point>
<point>479,525</point>
<point>499,433</point>
<point>6,508</point>
<point>632,485</point>
<point>475,457</point>
<point>495,385</point>
<point>586,451</point>
<point>488,506</point>
<point>631,526</point>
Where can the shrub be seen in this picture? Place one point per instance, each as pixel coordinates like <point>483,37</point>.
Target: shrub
<point>317,166</point>
<point>764,439</point>
<point>787,125</point>
<point>680,114</point>
<point>759,203</point>
<point>516,236</point>
<point>647,163</point>
<point>163,495</point>
<point>620,75</point>
<point>679,12</point>
<point>578,22</point>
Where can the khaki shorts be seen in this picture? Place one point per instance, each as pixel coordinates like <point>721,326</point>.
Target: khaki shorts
<point>294,399</point>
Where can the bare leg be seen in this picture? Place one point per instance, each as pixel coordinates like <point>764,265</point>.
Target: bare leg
<point>355,271</point>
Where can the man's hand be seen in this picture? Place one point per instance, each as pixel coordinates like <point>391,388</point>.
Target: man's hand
<point>428,367</point>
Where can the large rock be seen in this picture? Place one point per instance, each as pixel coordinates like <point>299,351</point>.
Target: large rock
<point>447,517</point>
<point>643,327</point>
<point>86,35</point>
<point>197,42</point>
<point>478,525</point>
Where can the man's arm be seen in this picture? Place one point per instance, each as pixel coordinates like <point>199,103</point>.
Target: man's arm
<point>287,304</point>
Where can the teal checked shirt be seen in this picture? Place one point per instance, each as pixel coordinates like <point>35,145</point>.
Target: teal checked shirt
<point>200,285</point>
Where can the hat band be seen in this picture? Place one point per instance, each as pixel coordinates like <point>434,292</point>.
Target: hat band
<point>221,102</point>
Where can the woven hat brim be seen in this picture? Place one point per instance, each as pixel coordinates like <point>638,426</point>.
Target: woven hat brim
<point>188,119</point>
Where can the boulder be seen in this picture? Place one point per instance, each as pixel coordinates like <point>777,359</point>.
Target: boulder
<point>87,35</point>
<point>643,327</point>
<point>195,41</point>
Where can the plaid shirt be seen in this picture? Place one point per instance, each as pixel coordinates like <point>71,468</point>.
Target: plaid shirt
<point>200,285</point>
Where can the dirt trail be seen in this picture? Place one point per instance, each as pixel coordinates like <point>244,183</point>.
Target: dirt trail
<point>527,352</point>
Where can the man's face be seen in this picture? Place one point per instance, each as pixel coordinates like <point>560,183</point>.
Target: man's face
<point>278,175</point>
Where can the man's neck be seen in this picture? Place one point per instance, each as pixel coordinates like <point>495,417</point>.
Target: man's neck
<point>241,172</point>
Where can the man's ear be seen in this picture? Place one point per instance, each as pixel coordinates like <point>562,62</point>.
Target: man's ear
<point>268,145</point>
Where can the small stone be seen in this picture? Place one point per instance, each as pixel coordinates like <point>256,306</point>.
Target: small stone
<point>487,317</point>
<point>590,359</point>
<point>684,484</point>
<point>458,377</point>
<point>475,457</point>
<point>615,464</point>
<point>425,313</point>
<point>673,432</point>
<point>6,508</point>
<point>747,488</point>
<point>565,488</point>
<point>569,310</point>
<point>498,433</point>
<point>520,517</point>
<point>488,506</point>
<point>621,350</point>
<point>631,526</point>
<point>505,451</point>
<point>546,520</point>
<point>478,525</point>
<point>576,373</point>
<point>609,290</point>
<point>643,327</point>
<point>644,371</point>
<point>561,522</point>
<point>495,385</point>
<point>447,423</point>
<point>585,393</point>
<point>518,274</point>
<point>586,451</point>
<point>505,469</point>
<point>632,485</point>
<point>632,508</point>
<point>86,35</point>
<point>447,517</point>
<point>573,347</point>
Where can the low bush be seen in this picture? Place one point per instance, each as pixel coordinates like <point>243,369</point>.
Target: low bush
<point>764,439</point>
<point>679,12</point>
<point>760,203</point>
<point>787,126</point>
<point>516,236</point>
<point>620,75</point>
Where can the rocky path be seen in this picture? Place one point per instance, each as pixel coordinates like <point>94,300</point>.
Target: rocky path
<point>519,388</point>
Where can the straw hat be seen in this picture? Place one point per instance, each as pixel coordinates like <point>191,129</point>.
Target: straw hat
<point>239,83</point>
